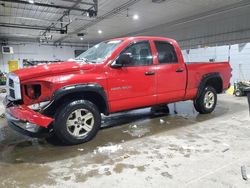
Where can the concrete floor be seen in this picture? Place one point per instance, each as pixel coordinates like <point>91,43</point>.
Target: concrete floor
<point>138,150</point>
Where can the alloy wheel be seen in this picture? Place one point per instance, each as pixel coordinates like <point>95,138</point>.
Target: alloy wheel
<point>80,122</point>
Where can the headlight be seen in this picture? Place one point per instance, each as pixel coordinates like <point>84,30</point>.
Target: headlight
<point>33,91</point>
<point>36,92</point>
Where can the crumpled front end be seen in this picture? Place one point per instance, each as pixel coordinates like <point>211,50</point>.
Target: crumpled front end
<point>19,116</point>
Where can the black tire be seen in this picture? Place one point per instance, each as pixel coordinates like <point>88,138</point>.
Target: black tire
<point>199,103</point>
<point>160,110</point>
<point>238,93</point>
<point>65,112</point>
<point>54,140</point>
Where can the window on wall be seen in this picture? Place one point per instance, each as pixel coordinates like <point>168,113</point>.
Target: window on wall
<point>166,52</point>
<point>140,53</point>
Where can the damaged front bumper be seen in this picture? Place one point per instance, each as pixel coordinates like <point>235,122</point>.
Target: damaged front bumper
<point>26,121</point>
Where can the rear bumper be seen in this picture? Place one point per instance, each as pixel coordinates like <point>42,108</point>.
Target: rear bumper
<point>26,121</point>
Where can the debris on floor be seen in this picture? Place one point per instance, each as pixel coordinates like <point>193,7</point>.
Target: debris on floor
<point>162,121</point>
<point>108,149</point>
<point>224,150</point>
<point>2,90</point>
<point>137,130</point>
<point>2,115</point>
<point>184,116</point>
<point>132,126</point>
<point>244,173</point>
<point>126,156</point>
<point>227,147</point>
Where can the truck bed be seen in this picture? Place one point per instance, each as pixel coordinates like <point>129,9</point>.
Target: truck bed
<point>196,70</point>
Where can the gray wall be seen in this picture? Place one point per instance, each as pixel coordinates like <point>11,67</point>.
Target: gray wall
<point>239,55</point>
<point>32,51</point>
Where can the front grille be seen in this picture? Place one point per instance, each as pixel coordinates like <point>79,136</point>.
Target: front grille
<point>12,93</point>
<point>13,87</point>
<point>11,83</point>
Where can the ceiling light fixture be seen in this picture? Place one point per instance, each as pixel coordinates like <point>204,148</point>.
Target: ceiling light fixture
<point>136,17</point>
<point>100,31</point>
<point>31,1</point>
<point>81,38</point>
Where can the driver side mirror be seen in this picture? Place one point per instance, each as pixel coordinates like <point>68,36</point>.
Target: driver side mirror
<point>122,60</point>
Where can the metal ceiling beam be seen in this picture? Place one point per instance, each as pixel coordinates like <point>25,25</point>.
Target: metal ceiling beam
<point>32,19</point>
<point>46,5</point>
<point>84,3</point>
<point>17,41</point>
<point>77,2</point>
<point>61,18</point>
<point>47,11</point>
<point>113,12</point>
<point>21,26</point>
<point>17,35</point>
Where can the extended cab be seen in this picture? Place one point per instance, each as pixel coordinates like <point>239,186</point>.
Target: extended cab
<point>66,99</point>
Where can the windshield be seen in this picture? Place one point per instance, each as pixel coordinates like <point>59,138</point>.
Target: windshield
<point>99,52</point>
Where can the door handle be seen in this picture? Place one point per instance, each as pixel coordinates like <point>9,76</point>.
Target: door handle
<point>179,70</point>
<point>149,73</point>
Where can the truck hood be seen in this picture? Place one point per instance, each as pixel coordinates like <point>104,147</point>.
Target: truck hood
<point>51,69</point>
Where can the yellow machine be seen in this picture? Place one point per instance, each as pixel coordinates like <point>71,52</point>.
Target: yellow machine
<point>13,65</point>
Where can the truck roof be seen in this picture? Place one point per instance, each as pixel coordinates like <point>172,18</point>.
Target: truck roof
<point>144,38</point>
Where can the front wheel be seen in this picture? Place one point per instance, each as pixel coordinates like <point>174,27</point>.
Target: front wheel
<point>77,122</point>
<point>207,101</point>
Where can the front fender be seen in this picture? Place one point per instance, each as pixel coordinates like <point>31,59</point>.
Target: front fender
<point>82,88</point>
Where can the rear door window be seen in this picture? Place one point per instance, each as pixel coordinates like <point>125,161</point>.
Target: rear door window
<point>166,52</point>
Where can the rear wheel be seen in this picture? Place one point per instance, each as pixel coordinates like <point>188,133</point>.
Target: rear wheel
<point>77,122</point>
<point>207,101</point>
<point>238,93</point>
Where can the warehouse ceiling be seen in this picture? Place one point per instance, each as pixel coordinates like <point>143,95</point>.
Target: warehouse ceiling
<point>75,21</point>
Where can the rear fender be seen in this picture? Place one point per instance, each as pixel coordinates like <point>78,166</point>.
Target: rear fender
<point>204,81</point>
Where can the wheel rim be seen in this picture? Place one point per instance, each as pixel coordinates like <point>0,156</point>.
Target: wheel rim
<point>209,99</point>
<point>80,122</point>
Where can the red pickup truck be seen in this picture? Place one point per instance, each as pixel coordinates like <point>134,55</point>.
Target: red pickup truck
<point>68,98</point>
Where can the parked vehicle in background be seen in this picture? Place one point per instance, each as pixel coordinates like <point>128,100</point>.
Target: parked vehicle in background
<point>2,78</point>
<point>241,88</point>
<point>66,99</point>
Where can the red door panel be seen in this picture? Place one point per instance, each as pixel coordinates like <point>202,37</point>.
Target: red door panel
<point>134,84</point>
<point>130,88</point>
<point>170,84</point>
<point>171,73</point>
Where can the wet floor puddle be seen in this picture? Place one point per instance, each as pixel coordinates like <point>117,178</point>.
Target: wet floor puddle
<point>18,152</point>
<point>117,129</point>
